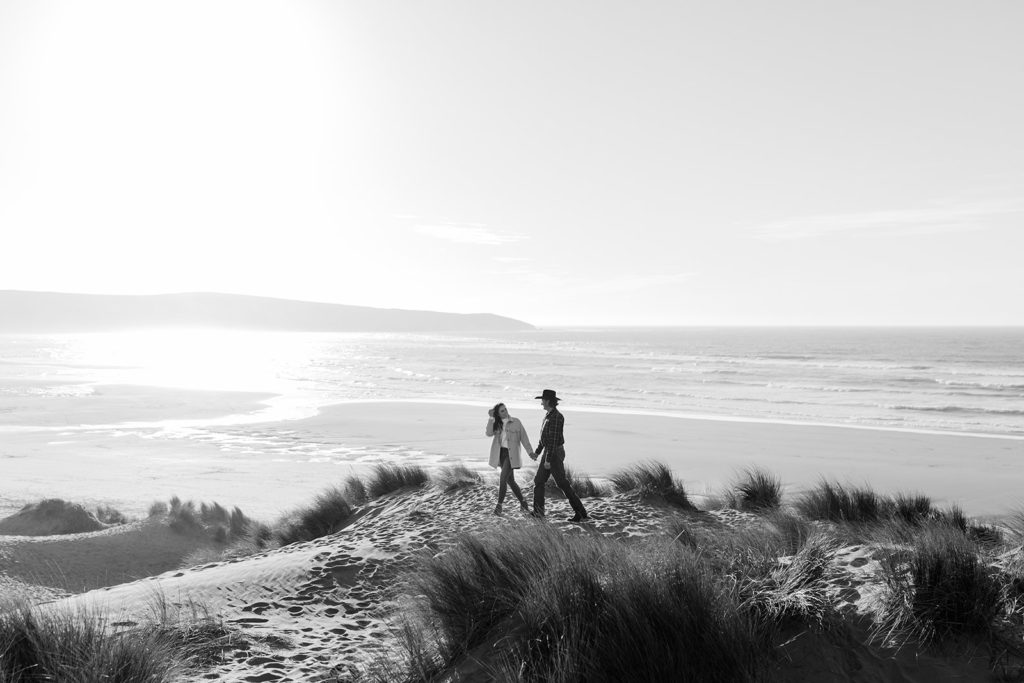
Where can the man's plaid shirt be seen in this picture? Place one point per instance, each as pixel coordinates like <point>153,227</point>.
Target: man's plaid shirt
<point>551,432</point>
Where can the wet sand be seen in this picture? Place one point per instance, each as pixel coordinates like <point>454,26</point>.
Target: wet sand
<point>175,445</point>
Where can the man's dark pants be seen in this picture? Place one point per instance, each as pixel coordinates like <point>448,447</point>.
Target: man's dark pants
<point>556,457</point>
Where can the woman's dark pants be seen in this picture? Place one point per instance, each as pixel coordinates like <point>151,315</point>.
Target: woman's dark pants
<point>508,479</point>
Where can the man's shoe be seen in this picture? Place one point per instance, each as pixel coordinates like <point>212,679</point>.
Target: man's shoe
<point>523,506</point>
<point>539,515</point>
<point>579,518</point>
<point>497,509</point>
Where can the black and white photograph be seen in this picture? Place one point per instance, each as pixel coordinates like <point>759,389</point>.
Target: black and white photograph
<point>568,341</point>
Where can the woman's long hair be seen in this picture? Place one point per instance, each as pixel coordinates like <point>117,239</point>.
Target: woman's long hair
<point>497,417</point>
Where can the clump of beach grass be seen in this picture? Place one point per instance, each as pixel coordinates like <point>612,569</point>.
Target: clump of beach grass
<point>355,490</point>
<point>863,515</point>
<point>110,515</point>
<point>796,589</point>
<point>583,485</point>
<point>913,508</point>
<point>834,502</point>
<point>943,588</point>
<point>212,520</point>
<point>455,477</point>
<point>51,516</point>
<point>387,478</point>
<point>553,607</point>
<point>652,479</point>
<point>329,512</point>
<point>757,490</point>
<point>51,644</point>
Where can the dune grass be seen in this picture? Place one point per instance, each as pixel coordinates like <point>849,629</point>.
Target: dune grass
<point>50,516</point>
<point>54,645</point>
<point>332,508</point>
<point>583,485</point>
<point>797,589</point>
<point>387,478</point>
<point>757,490</point>
<point>834,502</point>
<point>560,608</point>
<point>110,515</point>
<point>212,520</point>
<point>652,479</point>
<point>534,604</point>
<point>329,511</point>
<point>863,515</point>
<point>943,588</point>
<point>455,477</point>
<point>703,601</point>
<point>355,490</point>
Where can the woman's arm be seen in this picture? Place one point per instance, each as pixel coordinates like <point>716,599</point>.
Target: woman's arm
<point>490,427</point>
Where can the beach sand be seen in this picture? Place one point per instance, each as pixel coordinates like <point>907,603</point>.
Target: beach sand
<point>325,610</point>
<point>319,610</point>
<point>176,445</point>
<point>982,474</point>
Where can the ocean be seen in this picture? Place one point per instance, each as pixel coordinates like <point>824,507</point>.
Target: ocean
<point>963,380</point>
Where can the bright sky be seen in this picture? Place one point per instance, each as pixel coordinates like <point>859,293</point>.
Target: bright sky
<point>566,163</point>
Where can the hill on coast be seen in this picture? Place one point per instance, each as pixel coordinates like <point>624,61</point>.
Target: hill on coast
<point>45,312</point>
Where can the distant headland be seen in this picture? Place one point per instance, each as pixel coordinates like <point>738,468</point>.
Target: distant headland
<point>45,312</point>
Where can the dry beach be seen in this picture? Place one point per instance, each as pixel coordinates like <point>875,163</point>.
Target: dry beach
<point>127,446</point>
<point>324,609</point>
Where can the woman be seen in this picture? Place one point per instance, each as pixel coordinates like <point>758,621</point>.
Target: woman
<point>508,433</point>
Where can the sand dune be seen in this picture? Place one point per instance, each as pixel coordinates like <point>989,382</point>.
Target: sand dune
<point>319,610</point>
<point>326,600</point>
<point>82,562</point>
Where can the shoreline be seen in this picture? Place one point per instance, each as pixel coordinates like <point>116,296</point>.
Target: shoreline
<point>706,454</point>
<point>713,417</point>
<point>236,461</point>
<point>276,404</point>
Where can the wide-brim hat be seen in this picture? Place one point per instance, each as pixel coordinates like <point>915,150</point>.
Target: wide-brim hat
<point>548,395</point>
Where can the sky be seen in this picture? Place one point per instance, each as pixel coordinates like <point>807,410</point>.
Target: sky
<point>564,163</point>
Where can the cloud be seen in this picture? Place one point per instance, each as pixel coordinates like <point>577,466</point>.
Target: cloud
<point>632,283</point>
<point>964,217</point>
<point>511,259</point>
<point>467,233</point>
<point>578,286</point>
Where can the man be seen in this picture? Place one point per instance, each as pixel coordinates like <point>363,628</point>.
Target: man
<point>552,444</point>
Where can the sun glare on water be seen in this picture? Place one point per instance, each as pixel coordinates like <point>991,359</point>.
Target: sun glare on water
<point>194,358</point>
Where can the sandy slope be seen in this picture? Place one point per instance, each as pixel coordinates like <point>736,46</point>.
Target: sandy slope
<point>317,611</point>
<point>82,562</point>
<point>327,598</point>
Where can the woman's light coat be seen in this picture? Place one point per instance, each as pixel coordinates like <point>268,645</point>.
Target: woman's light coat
<point>516,436</point>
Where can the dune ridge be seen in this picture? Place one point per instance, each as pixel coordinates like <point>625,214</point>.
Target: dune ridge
<point>325,609</point>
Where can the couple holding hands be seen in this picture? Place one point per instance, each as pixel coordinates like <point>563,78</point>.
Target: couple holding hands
<point>508,433</point>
